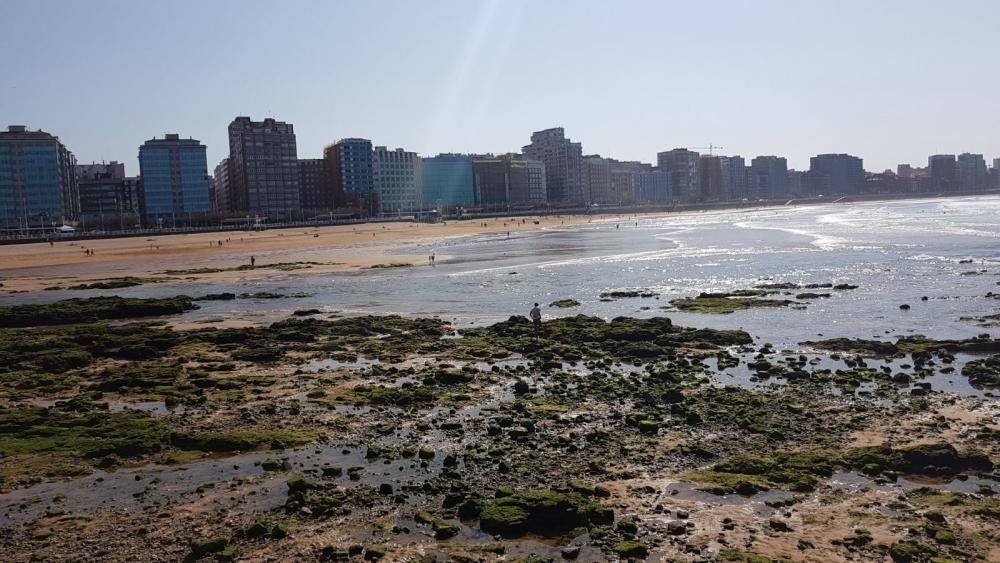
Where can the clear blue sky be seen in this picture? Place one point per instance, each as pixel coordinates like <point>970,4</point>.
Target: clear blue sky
<point>888,80</point>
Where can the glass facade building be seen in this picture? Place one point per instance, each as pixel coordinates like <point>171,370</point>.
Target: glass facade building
<point>174,174</point>
<point>509,180</point>
<point>37,180</point>
<point>351,163</point>
<point>653,186</point>
<point>768,177</point>
<point>397,179</point>
<point>682,165</point>
<point>835,174</point>
<point>447,181</point>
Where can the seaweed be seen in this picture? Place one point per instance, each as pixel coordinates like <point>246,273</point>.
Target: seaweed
<point>27,431</point>
<point>242,440</point>
<point>93,309</point>
<point>915,344</point>
<point>541,511</point>
<point>983,373</point>
<point>115,283</point>
<point>725,303</point>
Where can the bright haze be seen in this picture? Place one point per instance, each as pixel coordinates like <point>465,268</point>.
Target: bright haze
<point>889,81</point>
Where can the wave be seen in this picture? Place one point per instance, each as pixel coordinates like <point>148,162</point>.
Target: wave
<point>820,241</point>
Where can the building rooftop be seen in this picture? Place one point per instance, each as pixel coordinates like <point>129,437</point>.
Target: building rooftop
<point>21,132</point>
<point>173,139</point>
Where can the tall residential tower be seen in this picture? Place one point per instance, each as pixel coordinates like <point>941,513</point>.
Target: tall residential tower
<point>397,179</point>
<point>685,173</point>
<point>836,174</point>
<point>264,167</point>
<point>37,180</point>
<point>351,171</point>
<point>174,178</point>
<point>564,166</point>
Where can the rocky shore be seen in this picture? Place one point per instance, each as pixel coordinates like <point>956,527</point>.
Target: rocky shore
<point>325,438</point>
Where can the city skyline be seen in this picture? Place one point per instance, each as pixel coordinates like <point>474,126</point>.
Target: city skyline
<point>447,77</point>
<point>264,175</point>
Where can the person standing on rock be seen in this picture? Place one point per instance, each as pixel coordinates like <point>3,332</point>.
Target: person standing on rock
<point>536,316</point>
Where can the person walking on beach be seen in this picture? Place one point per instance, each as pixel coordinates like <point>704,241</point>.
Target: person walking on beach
<point>253,261</point>
<point>536,316</point>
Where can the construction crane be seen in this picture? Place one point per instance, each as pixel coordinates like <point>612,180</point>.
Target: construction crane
<point>710,148</point>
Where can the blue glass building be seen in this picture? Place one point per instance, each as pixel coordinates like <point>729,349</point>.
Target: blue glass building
<point>37,180</point>
<point>447,181</point>
<point>351,173</point>
<point>174,174</point>
<point>351,166</point>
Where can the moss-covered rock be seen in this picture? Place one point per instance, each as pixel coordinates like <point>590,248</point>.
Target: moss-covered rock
<point>725,303</point>
<point>93,309</point>
<point>375,552</point>
<point>202,547</point>
<point>631,550</point>
<point>241,440</point>
<point>926,459</point>
<point>28,431</point>
<point>983,373</point>
<point>542,512</point>
<point>912,552</point>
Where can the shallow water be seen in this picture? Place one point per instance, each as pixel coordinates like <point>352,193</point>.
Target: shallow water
<point>965,484</point>
<point>744,376</point>
<point>133,488</point>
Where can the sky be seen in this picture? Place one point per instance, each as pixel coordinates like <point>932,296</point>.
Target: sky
<point>890,81</point>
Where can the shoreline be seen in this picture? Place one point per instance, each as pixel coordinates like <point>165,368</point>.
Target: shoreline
<point>319,249</point>
<point>188,257</point>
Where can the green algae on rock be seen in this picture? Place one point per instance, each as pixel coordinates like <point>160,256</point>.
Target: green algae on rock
<point>725,303</point>
<point>281,266</point>
<point>246,440</point>
<point>565,303</point>
<point>799,471</point>
<point>541,511</point>
<point>937,458</point>
<point>93,309</point>
<point>983,373</point>
<point>580,336</point>
<point>116,283</point>
<point>748,474</point>
<point>27,431</point>
<point>915,344</point>
<point>628,293</point>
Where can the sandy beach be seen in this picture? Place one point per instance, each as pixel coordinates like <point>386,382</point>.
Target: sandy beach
<point>31,267</point>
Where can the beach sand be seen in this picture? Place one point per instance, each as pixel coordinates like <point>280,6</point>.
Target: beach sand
<point>31,267</point>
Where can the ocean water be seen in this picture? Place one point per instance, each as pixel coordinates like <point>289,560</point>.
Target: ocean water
<point>896,252</point>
